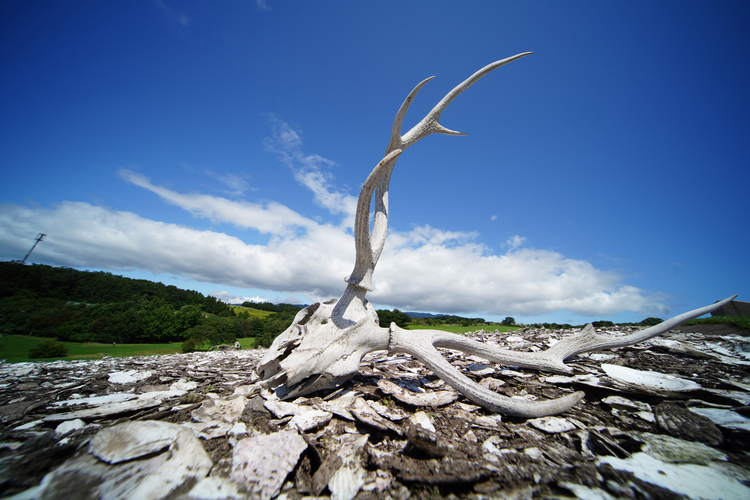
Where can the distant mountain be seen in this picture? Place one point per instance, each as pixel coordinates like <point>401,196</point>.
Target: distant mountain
<point>422,315</point>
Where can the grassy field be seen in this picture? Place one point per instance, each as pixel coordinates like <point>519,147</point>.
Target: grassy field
<point>15,349</point>
<point>742,322</point>
<point>252,312</point>
<point>464,329</point>
<point>249,343</point>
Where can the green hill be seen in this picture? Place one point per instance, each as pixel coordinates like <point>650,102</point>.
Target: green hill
<point>84,306</point>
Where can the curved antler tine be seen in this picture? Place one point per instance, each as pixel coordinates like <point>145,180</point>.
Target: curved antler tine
<point>534,360</point>
<point>430,123</point>
<point>422,348</point>
<point>552,359</point>
<point>439,129</point>
<point>363,265</point>
<point>427,126</point>
<point>440,107</point>
<point>589,340</point>
<point>395,141</point>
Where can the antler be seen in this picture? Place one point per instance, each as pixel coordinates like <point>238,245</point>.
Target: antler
<point>423,346</point>
<point>370,246</point>
<point>326,342</point>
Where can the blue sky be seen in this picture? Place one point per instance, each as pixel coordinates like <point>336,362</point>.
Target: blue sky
<point>221,146</point>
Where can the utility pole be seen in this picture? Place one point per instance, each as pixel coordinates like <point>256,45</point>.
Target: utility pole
<point>39,237</point>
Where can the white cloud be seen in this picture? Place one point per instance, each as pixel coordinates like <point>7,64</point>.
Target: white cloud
<point>308,171</point>
<point>523,282</point>
<point>229,298</point>
<point>236,185</point>
<point>262,6</point>
<point>515,241</point>
<point>83,235</point>
<point>271,218</point>
<point>426,235</point>
<point>425,268</point>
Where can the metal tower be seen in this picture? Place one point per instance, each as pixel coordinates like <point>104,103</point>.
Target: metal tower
<point>39,237</point>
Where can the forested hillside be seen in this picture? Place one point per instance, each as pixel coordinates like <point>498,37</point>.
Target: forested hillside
<point>64,283</point>
<point>83,306</point>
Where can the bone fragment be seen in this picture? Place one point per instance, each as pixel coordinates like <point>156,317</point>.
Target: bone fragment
<point>434,399</point>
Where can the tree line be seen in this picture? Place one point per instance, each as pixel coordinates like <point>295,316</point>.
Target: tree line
<point>447,319</point>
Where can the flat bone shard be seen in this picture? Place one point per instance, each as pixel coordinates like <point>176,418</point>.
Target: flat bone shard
<point>262,463</point>
<point>327,340</point>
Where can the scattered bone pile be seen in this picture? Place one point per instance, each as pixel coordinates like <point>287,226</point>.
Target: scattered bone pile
<point>667,418</point>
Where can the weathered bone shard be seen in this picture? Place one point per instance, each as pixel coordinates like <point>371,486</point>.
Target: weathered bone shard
<point>327,340</point>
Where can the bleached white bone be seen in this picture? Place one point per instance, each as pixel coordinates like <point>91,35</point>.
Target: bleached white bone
<point>327,340</point>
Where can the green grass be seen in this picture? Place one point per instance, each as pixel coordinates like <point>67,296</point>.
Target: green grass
<point>464,329</point>
<point>742,322</point>
<point>252,312</point>
<point>15,349</point>
<point>249,342</point>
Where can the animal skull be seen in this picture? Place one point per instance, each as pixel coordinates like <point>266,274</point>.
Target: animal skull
<point>327,340</point>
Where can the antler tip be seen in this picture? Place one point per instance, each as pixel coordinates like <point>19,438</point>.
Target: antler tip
<point>439,129</point>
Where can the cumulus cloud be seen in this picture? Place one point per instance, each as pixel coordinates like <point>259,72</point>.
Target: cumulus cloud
<point>524,282</point>
<point>425,268</point>
<point>515,241</point>
<point>83,235</point>
<point>230,298</point>
<point>426,235</point>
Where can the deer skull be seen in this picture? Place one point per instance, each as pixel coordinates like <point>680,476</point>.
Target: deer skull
<point>327,340</point>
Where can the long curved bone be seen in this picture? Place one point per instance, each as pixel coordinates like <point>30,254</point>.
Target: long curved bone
<point>423,346</point>
<point>552,360</point>
<point>326,341</point>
